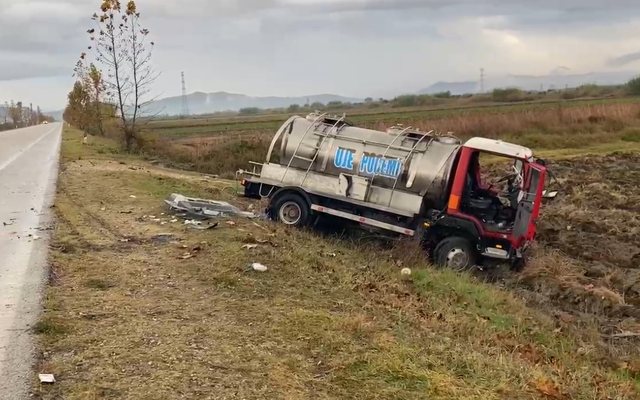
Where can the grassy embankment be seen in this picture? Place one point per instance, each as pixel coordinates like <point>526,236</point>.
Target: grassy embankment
<point>140,307</point>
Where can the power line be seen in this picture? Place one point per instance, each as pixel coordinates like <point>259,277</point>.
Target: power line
<point>481,80</point>
<point>185,101</point>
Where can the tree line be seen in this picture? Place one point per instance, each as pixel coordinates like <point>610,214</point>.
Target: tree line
<point>114,76</point>
<point>15,114</point>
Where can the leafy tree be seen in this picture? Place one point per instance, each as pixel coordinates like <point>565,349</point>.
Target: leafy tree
<point>77,110</point>
<point>633,86</point>
<point>294,108</point>
<point>16,113</point>
<point>443,95</point>
<point>508,95</point>
<point>249,111</point>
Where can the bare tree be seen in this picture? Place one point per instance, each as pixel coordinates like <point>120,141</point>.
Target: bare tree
<point>123,50</point>
<point>15,113</point>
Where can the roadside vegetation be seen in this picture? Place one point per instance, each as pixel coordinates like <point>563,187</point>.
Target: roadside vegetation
<point>15,115</point>
<point>140,307</point>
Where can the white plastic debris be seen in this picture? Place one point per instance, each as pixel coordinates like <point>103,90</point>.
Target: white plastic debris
<point>204,208</point>
<point>47,378</point>
<point>405,271</point>
<point>259,267</point>
<point>249,246</point>
<point>132,197</point>
<point>192,222</point>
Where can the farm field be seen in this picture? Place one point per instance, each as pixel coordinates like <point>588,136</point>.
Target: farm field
<point>140,307</point>
<point>223,145</point>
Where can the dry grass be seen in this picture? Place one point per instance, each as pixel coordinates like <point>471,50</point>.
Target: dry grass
<point>552,127</point>
<point>127,317</point>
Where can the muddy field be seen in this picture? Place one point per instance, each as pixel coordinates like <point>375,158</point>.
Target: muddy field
<point>587,261</point>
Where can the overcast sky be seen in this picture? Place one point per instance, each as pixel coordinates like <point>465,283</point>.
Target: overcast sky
<point>350,47</point>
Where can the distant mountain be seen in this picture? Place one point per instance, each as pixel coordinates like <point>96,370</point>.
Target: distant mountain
<point>203,103</point>
<point>562,80</point>
<point>57,115</point>
<point>559,78</point>
<point>456,88</point>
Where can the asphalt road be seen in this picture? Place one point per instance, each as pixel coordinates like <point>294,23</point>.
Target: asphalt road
<point>28,172</point>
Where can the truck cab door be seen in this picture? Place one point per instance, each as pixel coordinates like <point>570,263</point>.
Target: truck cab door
<point>529,207</point>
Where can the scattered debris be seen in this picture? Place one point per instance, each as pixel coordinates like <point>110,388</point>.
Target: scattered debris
<point>132,197</point>
<point>249,246</point>
<point>231,223</point>
<point>259,267</point>
<point>204,228</point>
<point>623,335</point>
<point>190,254</point>
<point>47,378</point>
<point>265,241</point>
<point>192,222</point>
<point>405,271</point>
<point>188,207</point>
<point>163,238</point>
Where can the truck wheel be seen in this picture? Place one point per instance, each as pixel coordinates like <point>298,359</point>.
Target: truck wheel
<point>291,209</point>
<point>455,253</point>
<point>518,264</point>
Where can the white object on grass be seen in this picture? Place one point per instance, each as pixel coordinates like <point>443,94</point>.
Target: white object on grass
<point>47,378</point>
<point>405,271</point>
<point>259,267</point>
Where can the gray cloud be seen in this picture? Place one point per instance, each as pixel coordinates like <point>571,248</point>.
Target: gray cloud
<point>624,59</point>
<point>355,47</point>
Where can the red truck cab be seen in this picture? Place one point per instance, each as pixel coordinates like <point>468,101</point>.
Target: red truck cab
<point>481,220</point>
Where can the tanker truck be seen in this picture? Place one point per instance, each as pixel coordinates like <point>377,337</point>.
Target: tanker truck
<point>406,181</point>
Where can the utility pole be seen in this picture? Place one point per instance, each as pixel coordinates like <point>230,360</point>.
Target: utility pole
<point>481,80</point>
<point>185,101</point>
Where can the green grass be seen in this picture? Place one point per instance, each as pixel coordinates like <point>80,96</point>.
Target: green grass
<point>50,327</point>
<point>97,147</point>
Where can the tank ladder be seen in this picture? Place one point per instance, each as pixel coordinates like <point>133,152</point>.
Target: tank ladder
<point>295,153</point>
<point>324,138</point>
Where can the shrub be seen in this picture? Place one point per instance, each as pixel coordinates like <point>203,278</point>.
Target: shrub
<point>633,86</point>
<point>631,135</point>
<point>508,95</point>
<point>249,111</point>
<point>443,95</point>
<point>294,108</point>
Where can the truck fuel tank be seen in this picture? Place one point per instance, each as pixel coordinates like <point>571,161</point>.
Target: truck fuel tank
<point>402,159</point>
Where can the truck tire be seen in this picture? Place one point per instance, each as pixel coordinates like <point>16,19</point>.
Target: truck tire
<point>456,253</point>
<point>291,209</point>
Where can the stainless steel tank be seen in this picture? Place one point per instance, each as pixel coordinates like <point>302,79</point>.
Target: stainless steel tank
<point>401,159</point>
